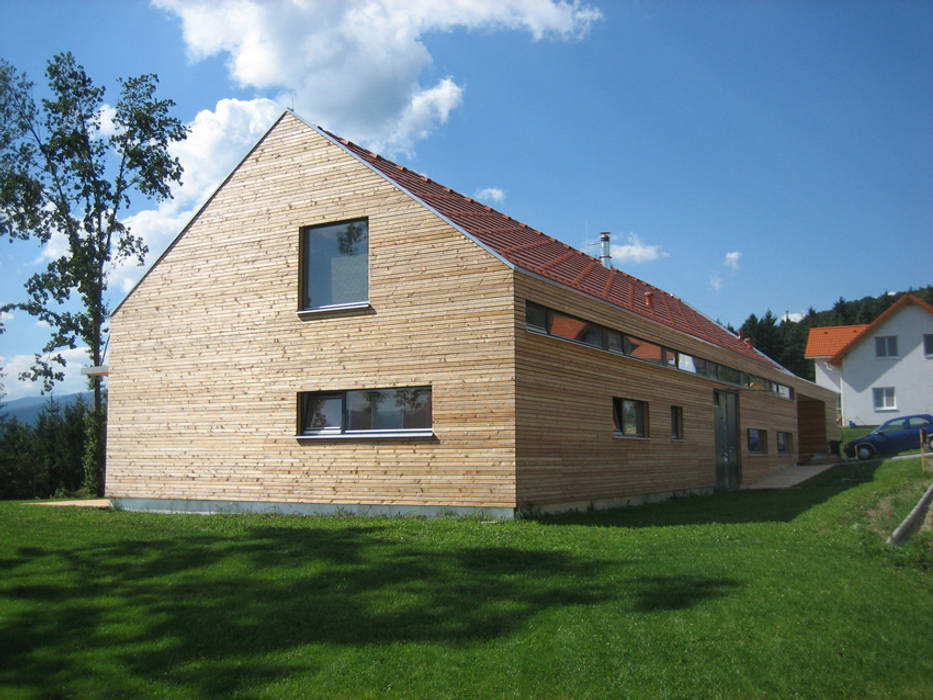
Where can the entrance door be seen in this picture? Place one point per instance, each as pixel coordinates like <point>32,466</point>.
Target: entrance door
<point>727,439</point>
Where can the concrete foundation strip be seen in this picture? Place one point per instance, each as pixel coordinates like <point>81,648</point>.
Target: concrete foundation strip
<point>913,521</point>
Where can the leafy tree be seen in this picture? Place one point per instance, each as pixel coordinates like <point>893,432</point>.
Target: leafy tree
<point>63,172</point>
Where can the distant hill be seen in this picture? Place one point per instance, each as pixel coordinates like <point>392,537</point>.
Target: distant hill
<point>27,409</point>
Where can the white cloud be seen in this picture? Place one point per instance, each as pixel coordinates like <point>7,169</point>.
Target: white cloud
<point>6,316</point>
<point>218,140</point>
<point>489,194</point>
<point>795,316</point>
<point>43,324</point>
<point>356,67</point>
<point>106,114</point>
<point>636,251</point>
<point>732,260</point>
<point>16,388</point>
<point>56,247</point>
<point>715,281</point>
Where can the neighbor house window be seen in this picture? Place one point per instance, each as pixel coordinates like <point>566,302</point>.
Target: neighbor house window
<point>335,264</point>
<point>884,398</point>
<point>677,422</point>
<point>757,441</point>
<point>631,417</point>
<point>928,344</point>
<point>396,412</point>
<point>784,443</point>
<point>886,346</point>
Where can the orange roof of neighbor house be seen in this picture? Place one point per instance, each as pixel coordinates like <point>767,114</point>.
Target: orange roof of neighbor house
<point>535,252</point>
<point>826,341</point>
<point>908,298</point>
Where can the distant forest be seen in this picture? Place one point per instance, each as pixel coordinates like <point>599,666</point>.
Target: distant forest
<point>785,340</point>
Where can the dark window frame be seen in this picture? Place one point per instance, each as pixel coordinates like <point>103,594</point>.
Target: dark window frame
<point>761,438</point>
<point>346,429</point>
<point>784,442</point>
<point>677,422</point>
<point>642,429</point>
<point>303,262</point>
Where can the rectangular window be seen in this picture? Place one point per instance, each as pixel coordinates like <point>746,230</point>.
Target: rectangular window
<point>677,422</point>
<point>686,362</point>
<point>398,412</point>
<point>335,264</point>
<point>571,328</point>
<point>886,346</point>
<point>729,374</point>
<point>757,441</point>
<point>784,443</point>
<point>535,316</point>
<point>643,350</point>
<point>928,344</point>
<point>631,417</point>
<point>884,398</point>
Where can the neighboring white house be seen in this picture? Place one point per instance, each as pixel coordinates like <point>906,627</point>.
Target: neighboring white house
<point>882,369</point>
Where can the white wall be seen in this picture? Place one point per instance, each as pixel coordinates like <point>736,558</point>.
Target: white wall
<point>910,373</point>
<point>827,376</point>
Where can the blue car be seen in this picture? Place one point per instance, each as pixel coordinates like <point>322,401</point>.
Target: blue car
<point>895,435</point>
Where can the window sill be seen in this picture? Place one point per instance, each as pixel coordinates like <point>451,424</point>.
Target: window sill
<point>886,410</point>
<point>757,454</point>
<point>369,435</point>
<point>357,306</point>
<point>622,436</point>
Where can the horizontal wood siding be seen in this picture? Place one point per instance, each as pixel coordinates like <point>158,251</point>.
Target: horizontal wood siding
<point>208,353</point>
<point>566,450</point>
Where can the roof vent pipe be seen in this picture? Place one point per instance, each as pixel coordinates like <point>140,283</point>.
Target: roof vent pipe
<point>604,257</point>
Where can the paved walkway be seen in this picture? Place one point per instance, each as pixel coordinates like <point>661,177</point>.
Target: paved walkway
<point>83,503</point>
<point>789,477</point>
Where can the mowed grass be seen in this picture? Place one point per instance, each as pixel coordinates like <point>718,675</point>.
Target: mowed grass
<point>777,594</point>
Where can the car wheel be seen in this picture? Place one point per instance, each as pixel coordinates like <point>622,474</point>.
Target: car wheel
<point>864,451</point>
<point>930,442</point>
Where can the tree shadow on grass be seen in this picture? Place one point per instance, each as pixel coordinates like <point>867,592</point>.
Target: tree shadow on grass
<point>779,505</point>
<point>210,615</point>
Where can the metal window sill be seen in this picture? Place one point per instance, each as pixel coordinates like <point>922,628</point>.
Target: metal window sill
<point>357,306</point>
<point>370,435</point>
<point>622,436</point>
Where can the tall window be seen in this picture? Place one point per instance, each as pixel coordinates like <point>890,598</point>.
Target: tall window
<point>886,346</point>
<point>631,417</point>
<point>365,412</point>
<point>677,422</point>
<point>884,398</point>
<point>757,441</point>
<point>784,443</point>
<point>335,264</point>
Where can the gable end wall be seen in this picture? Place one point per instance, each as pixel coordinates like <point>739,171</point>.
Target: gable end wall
<point>208,353</point>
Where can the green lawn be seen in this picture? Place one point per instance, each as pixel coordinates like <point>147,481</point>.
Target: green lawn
<point>778,594</point>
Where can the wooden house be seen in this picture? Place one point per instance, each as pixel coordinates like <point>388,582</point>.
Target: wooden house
<point>333,332</point>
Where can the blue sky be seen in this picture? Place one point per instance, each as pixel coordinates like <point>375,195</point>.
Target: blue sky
<point>745,155</point>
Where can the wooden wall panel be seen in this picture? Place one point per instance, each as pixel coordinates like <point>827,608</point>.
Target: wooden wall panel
<point>208,353</point>
<point>566,451</point>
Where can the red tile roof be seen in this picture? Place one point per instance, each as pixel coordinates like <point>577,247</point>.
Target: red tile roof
<point>826,341</point>
<point>535,252</point>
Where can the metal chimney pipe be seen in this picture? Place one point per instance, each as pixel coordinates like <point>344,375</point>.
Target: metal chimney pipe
<point>604,257</point>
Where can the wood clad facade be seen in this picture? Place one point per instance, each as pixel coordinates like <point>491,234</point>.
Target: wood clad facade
<point>567,452</point>
<point>209,355</point>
